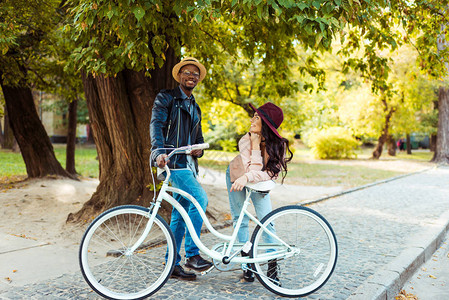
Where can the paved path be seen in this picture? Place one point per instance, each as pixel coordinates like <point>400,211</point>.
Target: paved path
<point>373,227</point>
<point>431,280</point>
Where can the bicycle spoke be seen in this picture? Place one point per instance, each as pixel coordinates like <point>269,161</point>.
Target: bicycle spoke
<point>138,273</point>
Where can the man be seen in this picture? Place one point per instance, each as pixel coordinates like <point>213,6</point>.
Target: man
<point>176,122</point>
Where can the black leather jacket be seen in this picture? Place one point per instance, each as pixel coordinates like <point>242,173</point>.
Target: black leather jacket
<point>173,121</point>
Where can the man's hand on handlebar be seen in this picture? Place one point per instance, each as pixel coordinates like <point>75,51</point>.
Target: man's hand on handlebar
<point>196,152</point>
<point>160,160</point>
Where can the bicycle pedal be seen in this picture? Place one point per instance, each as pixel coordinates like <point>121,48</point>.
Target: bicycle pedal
<point>247,247</point>
<point>207,271</point>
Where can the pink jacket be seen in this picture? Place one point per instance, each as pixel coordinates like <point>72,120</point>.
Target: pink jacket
<point>252,161</point>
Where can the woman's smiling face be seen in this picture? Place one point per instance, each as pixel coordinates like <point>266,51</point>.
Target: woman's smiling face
<point>256,124</point>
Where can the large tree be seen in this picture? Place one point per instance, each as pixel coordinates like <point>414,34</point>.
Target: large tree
<point>24,29</point>
<point>442,145</point>
<point>418,23</point>
<point>126,50</point>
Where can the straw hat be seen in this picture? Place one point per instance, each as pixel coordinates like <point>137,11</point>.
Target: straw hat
<point>189,61</point>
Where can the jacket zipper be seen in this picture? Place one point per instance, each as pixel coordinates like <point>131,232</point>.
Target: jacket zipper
<point>168,130</point>
<point>177,136</point>
<point>179,125</point>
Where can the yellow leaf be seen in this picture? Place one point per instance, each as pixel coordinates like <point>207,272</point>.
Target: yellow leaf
<point>433,277</point>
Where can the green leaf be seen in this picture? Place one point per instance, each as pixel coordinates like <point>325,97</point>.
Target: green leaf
<point>259,11</point>
<point>309,28</point>
<point>110,14</point>
<point>138,13</point>
<point>302,6</point>
<point>199,18</point>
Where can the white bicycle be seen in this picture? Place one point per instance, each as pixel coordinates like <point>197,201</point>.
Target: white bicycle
<point>128,252</point>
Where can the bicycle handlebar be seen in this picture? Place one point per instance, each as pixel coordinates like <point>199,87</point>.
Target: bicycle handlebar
<point>187,149</point>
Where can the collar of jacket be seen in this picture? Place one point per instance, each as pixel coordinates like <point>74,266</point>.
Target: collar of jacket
<point>178,95</point>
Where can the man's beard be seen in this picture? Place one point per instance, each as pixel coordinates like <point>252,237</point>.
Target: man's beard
<point>188,88</point>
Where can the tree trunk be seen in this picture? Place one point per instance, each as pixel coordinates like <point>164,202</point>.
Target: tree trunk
<point>408,144</point>
<point>90,136</point>
<point>71,138</point>
<point>1,133</point>
<point>441,154</point>
<point>433,142</point>
<point>8,136</point>
<point>391,145</point>
<point>120,114</point>
<point>385,132</point>
<point>35,146</point>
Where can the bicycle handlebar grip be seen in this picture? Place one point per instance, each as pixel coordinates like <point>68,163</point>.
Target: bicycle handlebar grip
<point>200,146</point>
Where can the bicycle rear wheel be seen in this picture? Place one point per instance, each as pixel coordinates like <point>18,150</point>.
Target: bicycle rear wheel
<point>310,258</point>
<point>106,263</point>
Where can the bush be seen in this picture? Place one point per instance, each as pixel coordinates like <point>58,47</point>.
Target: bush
<point>333,143</point>
<point>228,145</point>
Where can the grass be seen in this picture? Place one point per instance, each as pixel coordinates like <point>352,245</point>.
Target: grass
<point>303,170</point>
<point>85,161</point>
<point>329,174</point>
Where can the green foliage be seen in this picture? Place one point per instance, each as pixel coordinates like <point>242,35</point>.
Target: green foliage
<point>333,143</point>
<point>25,26</point>
<point>222,121</point>
<point>348,100</point>
<point>111,36</point>
<point>228,145</point>
<point>34,53</point>
<point>417,23</point>
<point>60,107</point>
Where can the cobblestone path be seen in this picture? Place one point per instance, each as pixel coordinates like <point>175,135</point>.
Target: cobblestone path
<point>372,225</point>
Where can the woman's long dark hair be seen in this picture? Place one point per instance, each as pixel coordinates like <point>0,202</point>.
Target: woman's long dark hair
<point>278,150</point>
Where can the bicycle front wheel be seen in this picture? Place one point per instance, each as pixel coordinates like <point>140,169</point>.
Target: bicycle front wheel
<point>107,263</point>
<point>307,251</point>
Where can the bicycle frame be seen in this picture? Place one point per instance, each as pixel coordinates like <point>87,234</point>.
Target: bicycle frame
<point>164,195</point>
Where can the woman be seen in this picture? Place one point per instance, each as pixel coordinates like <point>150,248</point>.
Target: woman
<point>262,157</point>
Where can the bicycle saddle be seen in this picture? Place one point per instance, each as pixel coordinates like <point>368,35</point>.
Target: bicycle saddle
<point>262,186</point>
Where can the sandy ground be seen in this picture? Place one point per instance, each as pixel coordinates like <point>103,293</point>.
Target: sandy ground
<point>36,243</point>
<point>37,209</point>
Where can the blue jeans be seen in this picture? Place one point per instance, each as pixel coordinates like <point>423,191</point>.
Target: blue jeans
<point>183,179</point>
<point>262,205</point>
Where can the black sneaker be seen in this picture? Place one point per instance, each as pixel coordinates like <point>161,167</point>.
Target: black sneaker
<point>180,273</point>
<point>248,275</point>
<point>197,263</point>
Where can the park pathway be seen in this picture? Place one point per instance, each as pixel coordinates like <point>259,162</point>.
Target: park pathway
<point>373,226</point>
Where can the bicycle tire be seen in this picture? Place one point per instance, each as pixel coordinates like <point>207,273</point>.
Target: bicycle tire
<point>308,269</point>
<point>114,274</point>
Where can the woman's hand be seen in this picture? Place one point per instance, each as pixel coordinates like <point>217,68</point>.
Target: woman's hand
<point>239,184</point>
